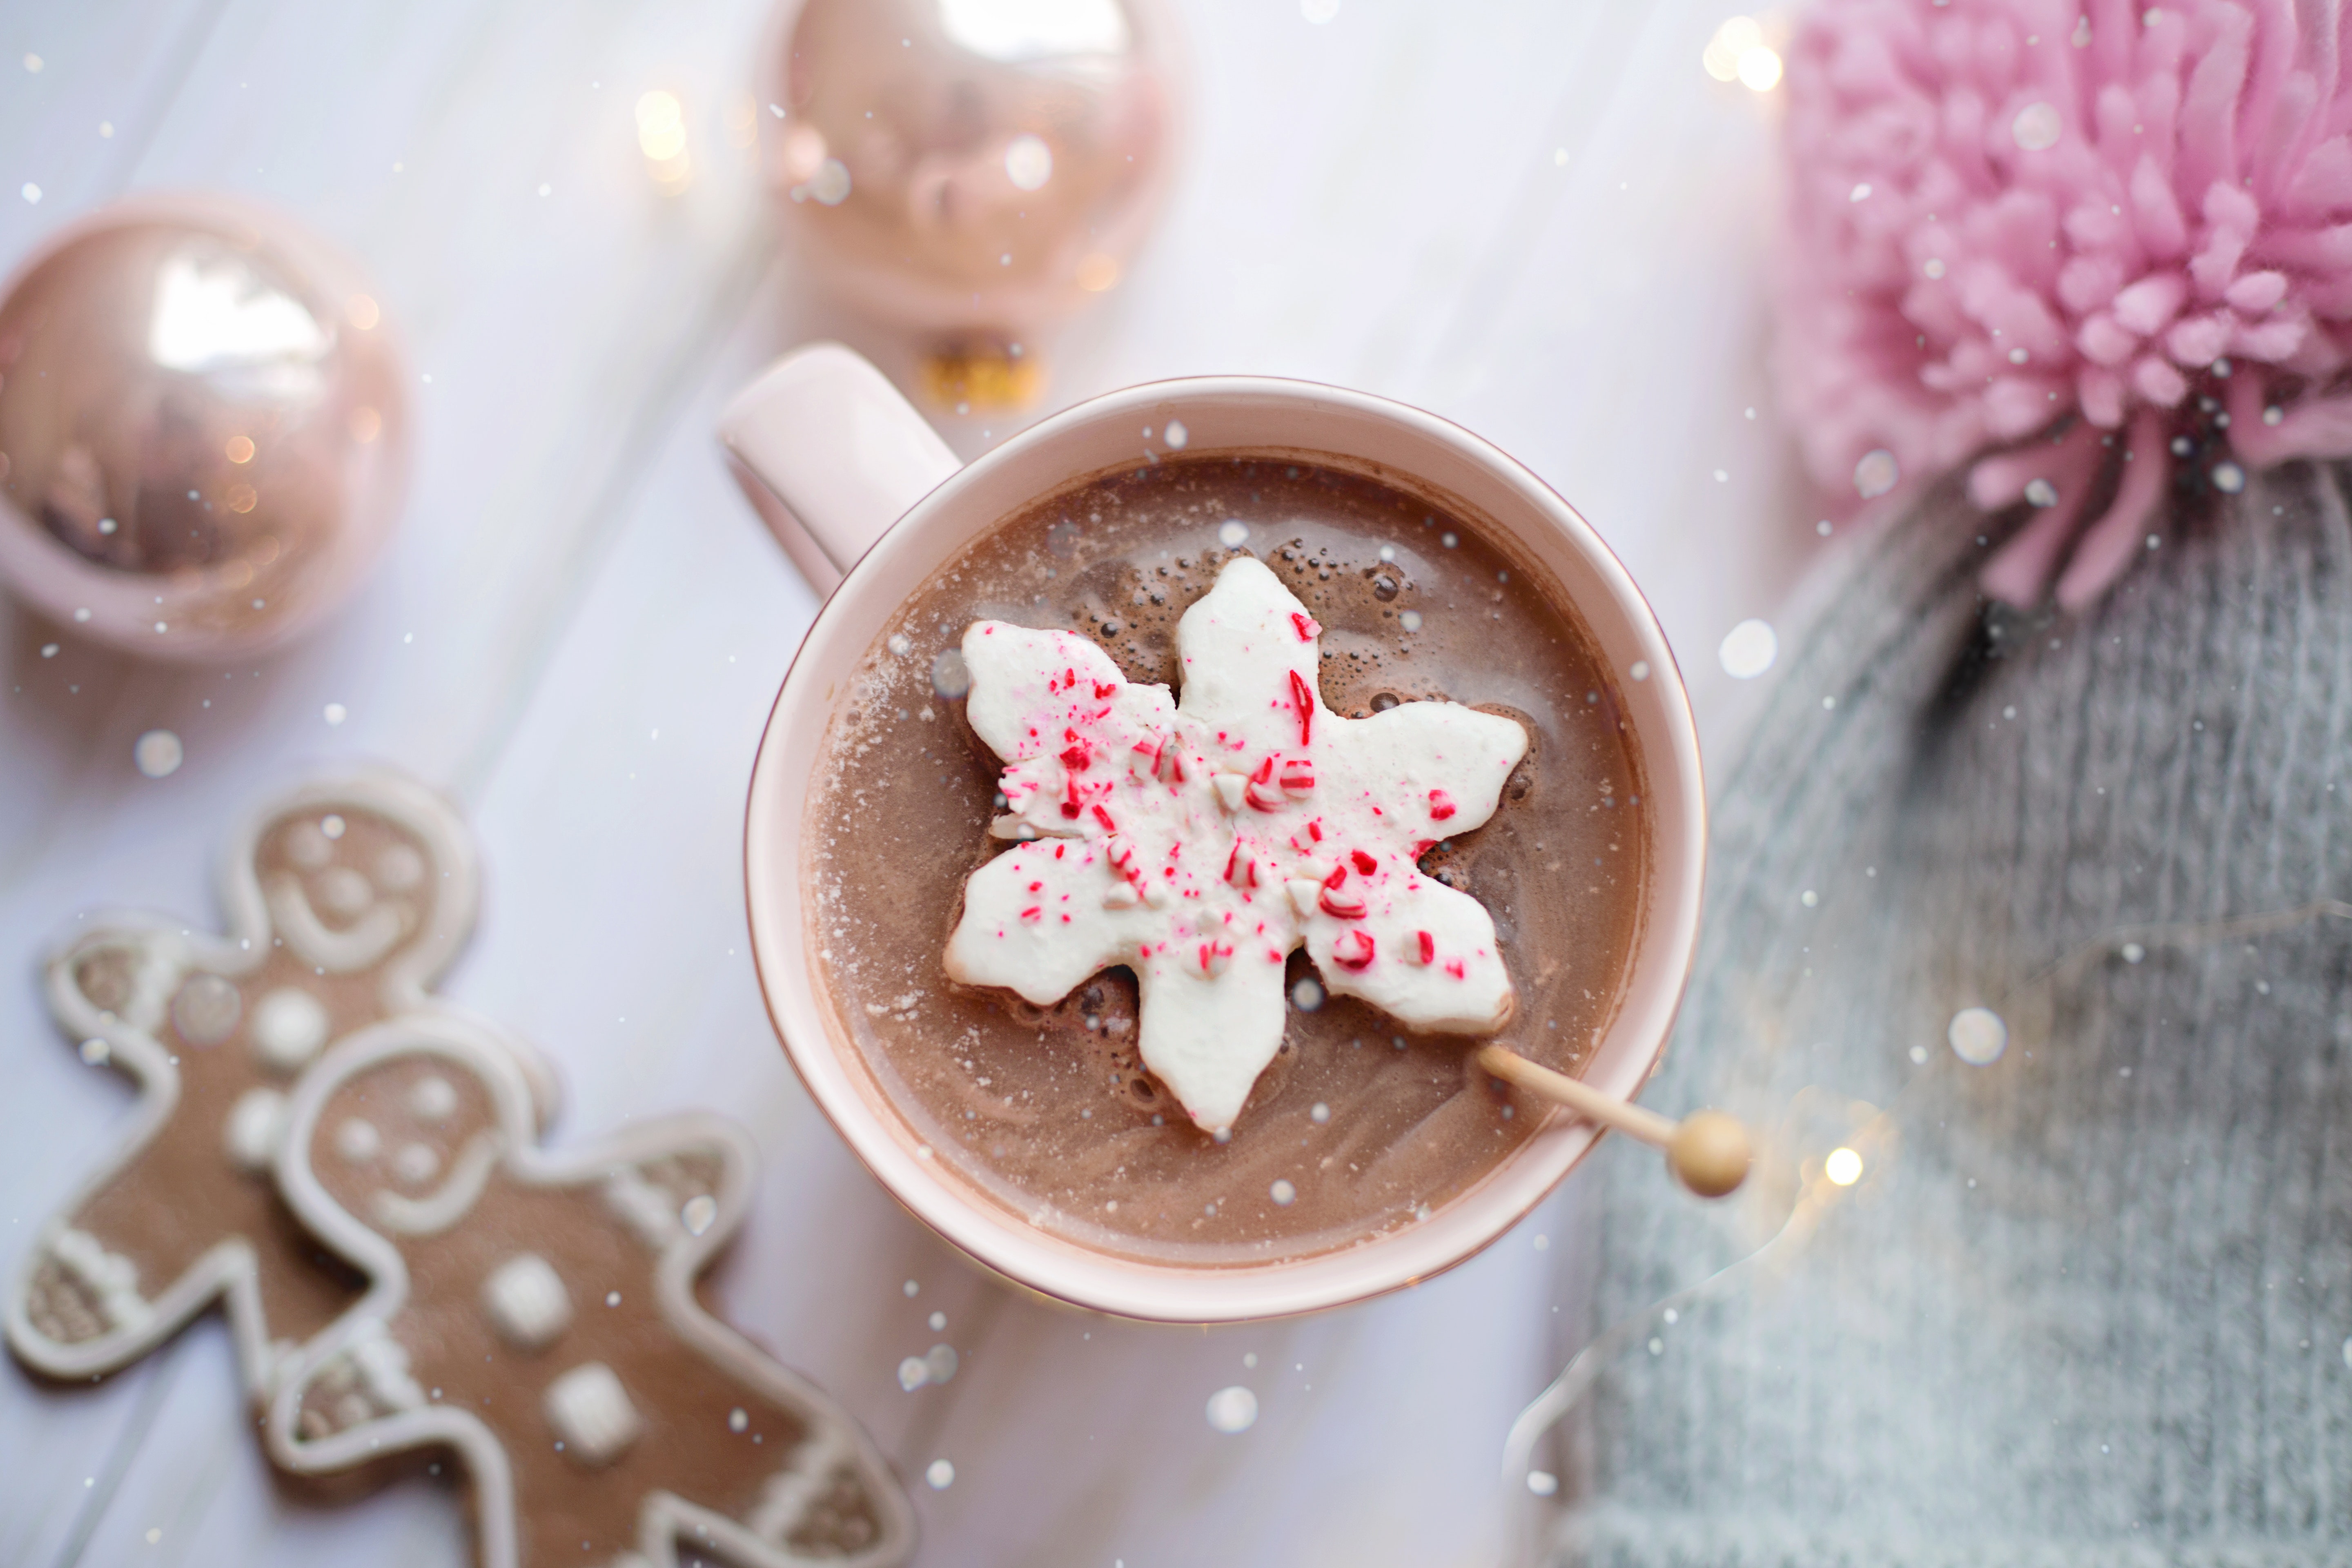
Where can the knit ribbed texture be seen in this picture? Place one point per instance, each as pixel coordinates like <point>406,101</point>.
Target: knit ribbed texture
<point>2088,1305</point>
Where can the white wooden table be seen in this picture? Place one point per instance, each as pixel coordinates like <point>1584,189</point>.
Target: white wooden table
<point>1541,220</point>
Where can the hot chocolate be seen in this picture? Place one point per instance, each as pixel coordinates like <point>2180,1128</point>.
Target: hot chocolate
<point>1358,1124</point>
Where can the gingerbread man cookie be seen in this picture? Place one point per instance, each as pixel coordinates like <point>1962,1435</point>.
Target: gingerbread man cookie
<point>536,1312</point>
<point>345,899</point>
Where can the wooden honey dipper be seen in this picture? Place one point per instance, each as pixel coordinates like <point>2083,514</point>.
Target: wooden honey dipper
<point>1708,1151</point>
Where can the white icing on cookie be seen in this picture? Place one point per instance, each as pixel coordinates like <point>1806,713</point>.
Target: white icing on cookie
<point>527,1303</point>
<point>444,1206</point>
<point>344,891</point>
<point>369,1377</point>
<point>363,943</point>
<point>289,1027</point>
<point>645,1208</point>
<point>590,1413</point>
<point>791,1493</point>
<point>256,1124</point>
<point>383,1367</point>
<point>358,1141</point>
<point>111,1278</point>
<point>1245,823</point>
<point>433,1100</point>
<point>415,1164</point>
<point>207,1009</point>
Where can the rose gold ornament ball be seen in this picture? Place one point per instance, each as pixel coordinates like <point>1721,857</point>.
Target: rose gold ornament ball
<point>974,168</point>
<point>202,428</point>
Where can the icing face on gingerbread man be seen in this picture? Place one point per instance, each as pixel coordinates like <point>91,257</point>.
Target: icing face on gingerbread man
<point>344,901</point>
<point>536,1312</point>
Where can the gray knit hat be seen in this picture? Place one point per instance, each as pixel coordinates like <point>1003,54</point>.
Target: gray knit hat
<point>2089,1303</point>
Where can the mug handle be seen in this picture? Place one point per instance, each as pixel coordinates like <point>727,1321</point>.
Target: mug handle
<point>831,456</point>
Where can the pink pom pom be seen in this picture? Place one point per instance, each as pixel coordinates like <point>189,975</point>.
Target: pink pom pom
<point>2089,238</point>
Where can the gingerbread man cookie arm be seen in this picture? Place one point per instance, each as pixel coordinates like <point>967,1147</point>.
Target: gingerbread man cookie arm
<point>835,1443</point>
<point>70,1280</point>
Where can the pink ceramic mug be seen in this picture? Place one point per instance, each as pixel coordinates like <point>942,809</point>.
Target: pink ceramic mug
<point>865,495</point>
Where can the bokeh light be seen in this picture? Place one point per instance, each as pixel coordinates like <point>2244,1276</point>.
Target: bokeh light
<point>1739,52</point>
<point>661,136</point>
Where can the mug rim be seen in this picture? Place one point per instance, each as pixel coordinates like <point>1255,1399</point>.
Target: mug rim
<point>980,1224</point>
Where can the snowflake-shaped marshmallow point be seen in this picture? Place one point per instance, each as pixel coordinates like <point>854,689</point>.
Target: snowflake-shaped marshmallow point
<point>1201,843</point>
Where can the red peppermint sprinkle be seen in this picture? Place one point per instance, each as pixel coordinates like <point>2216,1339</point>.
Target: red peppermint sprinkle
<point>1364,862</point>
<point>1440,805</point>
<point>1076,758</point>
<point>1303,700</point>
<point>1260,792</point>
<point>1307,630</point>
<point>1297,777</point>
<point>1428,945</point>
<point>1032,913</point>
<point>1104,817</point>
<point>1338,900</point>
<point>1354,949</point>
<point>1453,967</point>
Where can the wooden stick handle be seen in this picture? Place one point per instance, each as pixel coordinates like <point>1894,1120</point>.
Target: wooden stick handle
<point>1708,1151</point>
<point>1582,1098</point>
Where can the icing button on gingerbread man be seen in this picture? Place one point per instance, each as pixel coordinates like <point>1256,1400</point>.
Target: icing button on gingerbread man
<point>344,899</point>
<point>536,1312</point>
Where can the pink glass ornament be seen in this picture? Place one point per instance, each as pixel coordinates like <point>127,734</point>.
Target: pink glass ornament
<point>974,168</point>
<point>202,428</point>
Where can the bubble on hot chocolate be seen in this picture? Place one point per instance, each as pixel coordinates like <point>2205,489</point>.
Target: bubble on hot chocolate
<point>1199,843</point>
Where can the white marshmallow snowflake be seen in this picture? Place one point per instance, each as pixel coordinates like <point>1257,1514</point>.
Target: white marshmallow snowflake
<point>1199,843</point>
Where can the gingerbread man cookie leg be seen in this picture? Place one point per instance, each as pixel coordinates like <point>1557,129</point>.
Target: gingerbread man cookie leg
<point>536,1312</point>
<point>344,901</point>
